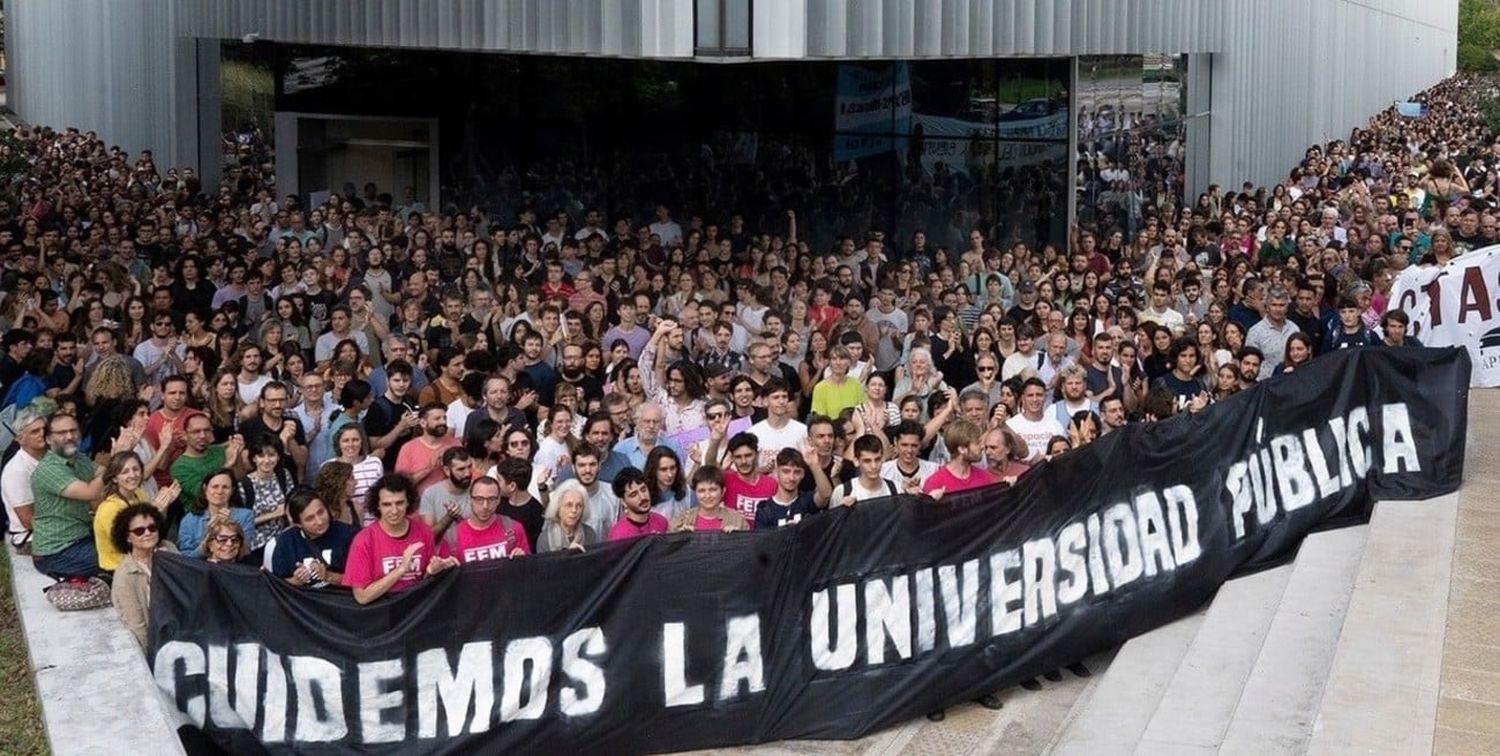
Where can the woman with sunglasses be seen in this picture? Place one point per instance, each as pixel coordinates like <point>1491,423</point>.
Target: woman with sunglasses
<point>136,531</point>
<point>224,542</point>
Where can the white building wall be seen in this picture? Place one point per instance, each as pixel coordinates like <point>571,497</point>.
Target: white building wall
<point>117,67</point>
<point>1285,73</point>
<point>1290,73</point>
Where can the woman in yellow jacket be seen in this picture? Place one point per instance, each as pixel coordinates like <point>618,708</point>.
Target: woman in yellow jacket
<point>123,477</point>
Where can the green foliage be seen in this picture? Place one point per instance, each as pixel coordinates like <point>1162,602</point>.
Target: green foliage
<point>1478,34</point>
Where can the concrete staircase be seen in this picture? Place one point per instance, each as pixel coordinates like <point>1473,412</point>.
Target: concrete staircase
<point>1337,652</point>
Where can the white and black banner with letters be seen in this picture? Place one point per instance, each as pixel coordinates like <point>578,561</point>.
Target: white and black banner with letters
<point>839,626</point>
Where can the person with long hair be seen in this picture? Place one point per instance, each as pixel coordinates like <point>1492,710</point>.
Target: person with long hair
<point>313,552</point>
<point>335,486</point>
<point>136,532</point>
<point>484,443</point>
<point>1299,352</point>
<point>224,407</point>
<point>217,498</point>
<point>109,385</point>
<point>667,483</point>
<point>123,479</point>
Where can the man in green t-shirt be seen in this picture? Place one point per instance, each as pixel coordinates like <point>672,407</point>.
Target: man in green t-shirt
<point>66,486</point>
<point>200,456</point>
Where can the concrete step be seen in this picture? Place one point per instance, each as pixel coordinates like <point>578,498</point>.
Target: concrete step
<point>1121,704</point>
<point>1382,689</point>
<point>1278,702</point>
<point>1202,695</point>
<point>96,690</point>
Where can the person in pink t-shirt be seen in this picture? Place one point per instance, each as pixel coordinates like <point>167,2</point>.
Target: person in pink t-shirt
<point>964,442</point>
<point>421,459</point>
<point>638,520</point>
<point>483,535</point>
<point>745,486</point>
<point>397,550</point>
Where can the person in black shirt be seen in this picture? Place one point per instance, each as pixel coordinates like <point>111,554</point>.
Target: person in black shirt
<point>392,418</point>
<point>515,502</point>
<point>272,421</point>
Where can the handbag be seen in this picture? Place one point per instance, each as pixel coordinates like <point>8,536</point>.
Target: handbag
<point>78,594</point>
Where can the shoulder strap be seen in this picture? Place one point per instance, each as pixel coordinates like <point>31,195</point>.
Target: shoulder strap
<point>889,487</point>
<point>247,493</point>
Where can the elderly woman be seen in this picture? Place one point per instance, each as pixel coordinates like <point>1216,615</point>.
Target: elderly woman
<point>567,510</point>
<point>314,551</point>
<point>224,541</point>
<point>216,499</point>
<point>136,531</point>
<point>920,380</point>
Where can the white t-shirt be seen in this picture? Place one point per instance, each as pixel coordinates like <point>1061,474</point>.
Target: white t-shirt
<point>773,440</point>
<point>891,471</point>
<point>250,392</point>
<point>458,416</point>
<point>15,489</point>
<point>1037,433</point>
<point>860,493</point>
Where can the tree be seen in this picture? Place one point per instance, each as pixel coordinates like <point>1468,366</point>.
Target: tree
<point>1478,34</point>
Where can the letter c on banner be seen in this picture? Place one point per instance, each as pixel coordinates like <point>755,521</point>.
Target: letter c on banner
<point>165,669</point>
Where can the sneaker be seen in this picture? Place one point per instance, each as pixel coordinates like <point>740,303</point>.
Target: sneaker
<point>1077,668</point>
<point>1055,675</point>
<point>1031,684</point>
<point>989,701</point>
<point>937,716</point>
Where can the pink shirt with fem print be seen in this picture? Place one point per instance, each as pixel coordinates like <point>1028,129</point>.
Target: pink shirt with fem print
<point>498,540</point>
<point>375,553</point>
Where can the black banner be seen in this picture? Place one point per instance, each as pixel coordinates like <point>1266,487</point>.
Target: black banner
<point>842,625</point>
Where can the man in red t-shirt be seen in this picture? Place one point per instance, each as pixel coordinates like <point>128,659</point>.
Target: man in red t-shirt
<point>744,484</point>
<point>964,442</point>
<point>175,412</point>
<point>421,460</point>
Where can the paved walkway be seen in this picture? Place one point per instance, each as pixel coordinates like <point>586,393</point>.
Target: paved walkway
<point>1469,700</point>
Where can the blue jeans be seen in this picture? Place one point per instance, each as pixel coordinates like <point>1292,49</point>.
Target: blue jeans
<point>79,560</point>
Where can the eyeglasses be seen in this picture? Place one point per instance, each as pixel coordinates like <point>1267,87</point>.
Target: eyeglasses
<point>716,416</point>
<point>484,499</point>
<point>143,529</point>
<point>227,538</point>
<point>986,369</point>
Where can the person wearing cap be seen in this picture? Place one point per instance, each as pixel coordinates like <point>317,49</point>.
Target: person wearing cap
<point>1025,306</point>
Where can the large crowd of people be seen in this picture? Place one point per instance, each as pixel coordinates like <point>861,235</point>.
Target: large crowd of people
<point>367,392</point>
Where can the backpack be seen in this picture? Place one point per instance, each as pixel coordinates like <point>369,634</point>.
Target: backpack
<point>847,489</point>
<point>247,487</point>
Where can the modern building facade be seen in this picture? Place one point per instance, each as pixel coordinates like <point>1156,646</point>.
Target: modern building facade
<point>898,114</point>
